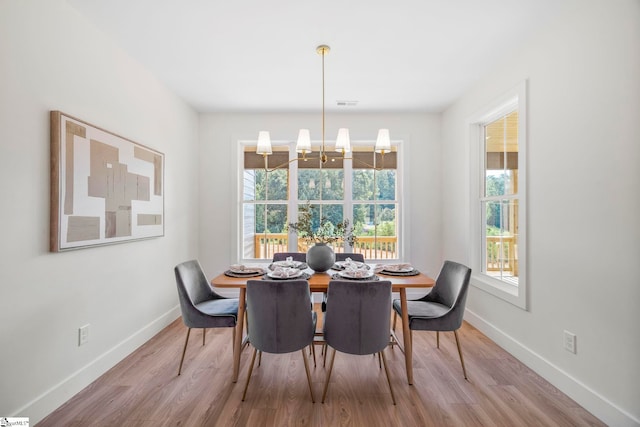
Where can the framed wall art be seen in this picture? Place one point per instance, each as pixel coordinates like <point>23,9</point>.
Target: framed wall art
<point>104,188</point>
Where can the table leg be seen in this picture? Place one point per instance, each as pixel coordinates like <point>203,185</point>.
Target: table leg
<point>406,334</point>
<point>237,347</point>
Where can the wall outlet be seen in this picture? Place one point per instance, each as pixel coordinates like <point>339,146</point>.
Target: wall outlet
<point>570,342</point>
<point>83,334</point>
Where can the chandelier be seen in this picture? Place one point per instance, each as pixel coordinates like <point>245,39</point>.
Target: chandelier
<point>343,143</point>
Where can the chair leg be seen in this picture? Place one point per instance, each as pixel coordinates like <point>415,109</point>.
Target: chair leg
<point>326,382</point>
<point>253,359</point>
<point>184,350</point>
<point>379,360</point>
<point>438,339</point>
<point>386,370</point>
<point>204,333</point>
<point>313,351</point>
<point>325,350</point>
<point>233,337</point>
<point>259,358</point>
<point>464,371</point>
<point>395,318</point>
<point>306,368</point>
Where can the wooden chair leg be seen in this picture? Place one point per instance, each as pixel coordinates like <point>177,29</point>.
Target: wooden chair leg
<point>379,360</point>
<point>464,371</point>
<point>325,350</point>
<point>326,382</point>
<point>233,337</point>
<point>438,339</point>
<point>313,351</point>
<point>386,370</point>
<point>306,368</point>
<point>184,350</point>
<point>253,359</point>
<point>259,358</point>
<point>204,333</point>
<point>395,318</point>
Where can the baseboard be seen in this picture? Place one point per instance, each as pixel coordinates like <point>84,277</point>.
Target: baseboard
<point>586,397</point>
<point>51,399</point>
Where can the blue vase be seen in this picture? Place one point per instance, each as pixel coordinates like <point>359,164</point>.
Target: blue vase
<point>320,257</point>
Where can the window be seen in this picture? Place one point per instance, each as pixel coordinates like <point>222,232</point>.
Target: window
<point>362,189</point>
<point>498,199</point>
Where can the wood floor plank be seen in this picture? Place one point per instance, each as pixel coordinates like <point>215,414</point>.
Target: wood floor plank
<point>145,390</point>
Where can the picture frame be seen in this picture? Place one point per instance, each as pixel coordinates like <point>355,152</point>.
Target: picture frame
<point>105,188</point>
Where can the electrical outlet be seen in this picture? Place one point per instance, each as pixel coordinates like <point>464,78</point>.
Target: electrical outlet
<point>570,342</point>
<point>83,334</point>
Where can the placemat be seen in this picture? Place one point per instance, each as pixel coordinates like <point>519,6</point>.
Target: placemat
<point>413,272</point>
<point>303,276</point>
<point>336,276</point>
<point>232,274</point>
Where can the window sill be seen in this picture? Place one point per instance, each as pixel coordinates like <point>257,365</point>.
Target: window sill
<point>514,294</point>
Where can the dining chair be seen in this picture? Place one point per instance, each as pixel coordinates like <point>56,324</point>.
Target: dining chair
<point>442,309</point>
<point>357,321</point>
<point>297,256</point>
<point>279,320</point>
<point>201,306</point>
<point>341,257</point>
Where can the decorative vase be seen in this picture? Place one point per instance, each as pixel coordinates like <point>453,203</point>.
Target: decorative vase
<point>320,257</point>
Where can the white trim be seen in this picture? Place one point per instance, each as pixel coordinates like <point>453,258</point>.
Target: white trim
<point>58,394</point>
<point>591,400</point>
<point>516,98</point>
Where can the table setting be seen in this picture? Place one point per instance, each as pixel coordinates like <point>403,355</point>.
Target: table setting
<point>240,270</point>
<point>353,270</point>
<point>288,263</point>
<point>400,269</point>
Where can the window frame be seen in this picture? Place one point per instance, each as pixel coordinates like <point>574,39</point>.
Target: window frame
<point>514,99</point>
<point>347,201</point>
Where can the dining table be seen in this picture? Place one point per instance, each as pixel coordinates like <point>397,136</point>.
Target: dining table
<point>319,282</point>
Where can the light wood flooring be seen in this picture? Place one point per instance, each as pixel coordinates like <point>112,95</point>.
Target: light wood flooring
<point>144,390</point>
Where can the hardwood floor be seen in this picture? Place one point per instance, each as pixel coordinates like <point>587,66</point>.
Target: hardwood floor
<point>144,389</point>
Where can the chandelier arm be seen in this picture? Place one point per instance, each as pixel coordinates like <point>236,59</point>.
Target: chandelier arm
<point>281,165</point>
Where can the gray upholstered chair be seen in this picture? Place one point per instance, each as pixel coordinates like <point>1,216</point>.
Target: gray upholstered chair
<point>201,307</point>
<point>279,320</point>
<point>442,309</point>
<point>297,256</point>
<point>341,257</point>
<point>357,320</point>
<point>344,255</point>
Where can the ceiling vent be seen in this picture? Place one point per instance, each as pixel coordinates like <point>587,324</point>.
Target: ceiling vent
<point>346,103</point>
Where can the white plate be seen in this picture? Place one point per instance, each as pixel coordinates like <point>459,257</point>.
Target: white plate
<point>248,270</point>
<point>349,275</point>
<point>343,264</point>
<point>290,264</point>
<point>297,274</point>
<point>399,270</point>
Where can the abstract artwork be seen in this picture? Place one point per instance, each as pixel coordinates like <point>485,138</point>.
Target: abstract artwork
<point>104,188</point>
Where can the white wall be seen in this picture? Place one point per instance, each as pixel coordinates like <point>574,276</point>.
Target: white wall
<point>52,59</point>
<point>583,233</point>
<point>219,135</point>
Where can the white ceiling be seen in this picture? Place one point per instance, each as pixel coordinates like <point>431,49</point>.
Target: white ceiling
<point>258,55</point>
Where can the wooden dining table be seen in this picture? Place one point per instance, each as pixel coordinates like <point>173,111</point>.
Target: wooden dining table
<point>319,282</point>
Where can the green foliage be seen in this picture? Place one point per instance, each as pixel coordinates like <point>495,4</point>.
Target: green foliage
<point>325,232</point>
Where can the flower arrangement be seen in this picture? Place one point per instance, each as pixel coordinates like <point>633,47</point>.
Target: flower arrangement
<point>326,233</point>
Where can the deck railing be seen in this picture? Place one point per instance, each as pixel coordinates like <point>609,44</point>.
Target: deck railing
<point>502,254</point>
<point>381,247</point>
